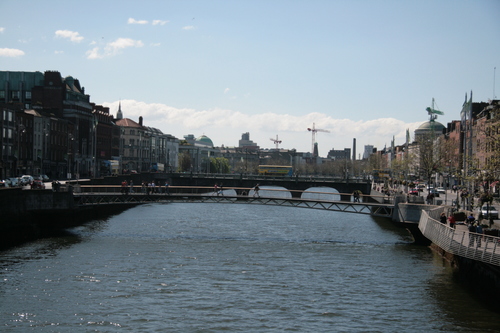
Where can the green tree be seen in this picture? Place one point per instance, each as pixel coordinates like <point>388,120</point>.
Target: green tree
<point>185,161</point>
<point>219,165</point>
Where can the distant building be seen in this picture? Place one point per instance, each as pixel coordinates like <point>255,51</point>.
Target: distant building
<point>369,149</point>
<point>246,143</point>
<point>145,149</point>
<point>339,154</point>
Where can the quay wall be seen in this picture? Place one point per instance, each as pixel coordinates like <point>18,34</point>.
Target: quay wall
<point>30,214</point>
<point>481,278</point>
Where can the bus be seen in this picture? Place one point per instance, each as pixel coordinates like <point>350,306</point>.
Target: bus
<point>381,175</point>
<point>275,170</point>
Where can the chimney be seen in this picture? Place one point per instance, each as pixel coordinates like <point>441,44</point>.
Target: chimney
<point>140,120</point>
<point>354,149</point>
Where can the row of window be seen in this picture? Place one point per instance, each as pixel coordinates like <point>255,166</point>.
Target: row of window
<point>15,94</point>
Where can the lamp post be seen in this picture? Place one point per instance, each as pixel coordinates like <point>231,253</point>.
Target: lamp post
<point>20,130</point>
<point>71,140</point>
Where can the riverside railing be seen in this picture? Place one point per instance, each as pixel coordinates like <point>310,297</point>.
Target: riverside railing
<point>460,241</point>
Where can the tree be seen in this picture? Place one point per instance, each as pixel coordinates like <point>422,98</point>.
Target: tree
<point>219,165</point>
<point>432,154</point>
<point>491,144</point>
<point>185,161</point>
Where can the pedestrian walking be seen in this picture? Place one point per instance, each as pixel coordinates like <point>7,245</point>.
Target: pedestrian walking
<point>452,221</point>
<point>256,191</point>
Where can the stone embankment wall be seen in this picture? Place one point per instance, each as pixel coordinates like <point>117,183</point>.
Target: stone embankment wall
<point>26,215</point>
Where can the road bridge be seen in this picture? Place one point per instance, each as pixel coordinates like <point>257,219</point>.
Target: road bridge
<point>297,183</point>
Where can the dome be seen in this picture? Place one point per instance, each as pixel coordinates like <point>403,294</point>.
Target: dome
<point>205,140</point>
<point>429,124</point>
<point>429,127</point>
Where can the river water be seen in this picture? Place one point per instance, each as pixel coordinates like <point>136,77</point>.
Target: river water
<point>207,267</point>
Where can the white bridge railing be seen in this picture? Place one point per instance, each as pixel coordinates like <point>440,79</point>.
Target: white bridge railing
<point>460,241</point>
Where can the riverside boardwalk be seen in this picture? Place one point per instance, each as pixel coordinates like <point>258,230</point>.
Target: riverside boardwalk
<point>459,241</point>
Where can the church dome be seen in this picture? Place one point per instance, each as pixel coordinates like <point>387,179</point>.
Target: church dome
<point>205,140</point>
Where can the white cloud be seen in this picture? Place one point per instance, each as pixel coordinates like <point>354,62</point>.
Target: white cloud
<point>71,35</point>
<point>188,27</point>
<point>159,22</point>
<point>2,29</point>
<point>155,44</point>
<point>225,127</point>
<point>58,52</point>
<point>134,21</point>
<point>113,48</point>
<point>226,90</point>
<point>94,54</point>
<point>11,53</point>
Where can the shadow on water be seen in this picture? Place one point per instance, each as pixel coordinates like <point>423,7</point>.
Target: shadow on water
<point>50,243</point>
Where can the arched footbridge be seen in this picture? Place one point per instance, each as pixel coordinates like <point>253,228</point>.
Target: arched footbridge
<point>108,194</point>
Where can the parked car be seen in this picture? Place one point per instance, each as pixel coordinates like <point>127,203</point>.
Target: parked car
<point>26,180</point>
<point>441,190</point>
<point>37,184</point>
<point>3,183</point>
<point>14,182</point>
<point>434,191</point>
<point>489,211</point>
<point>420,187</point>
<point>413,192</point>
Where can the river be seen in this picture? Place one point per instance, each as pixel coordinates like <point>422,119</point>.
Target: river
<point>207,267</point>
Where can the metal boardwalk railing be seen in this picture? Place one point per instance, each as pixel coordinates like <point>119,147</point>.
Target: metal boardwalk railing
<point>460,241</point>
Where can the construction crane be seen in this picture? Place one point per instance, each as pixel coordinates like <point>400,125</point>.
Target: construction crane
<point>314,130</point>
<point>276,141</point>
<point>433,112</point>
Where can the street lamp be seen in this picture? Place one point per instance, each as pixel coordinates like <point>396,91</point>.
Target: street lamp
<point>20,130</point>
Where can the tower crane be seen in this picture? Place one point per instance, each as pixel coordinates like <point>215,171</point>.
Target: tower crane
<point>313,130</point>
<point>433,113</point>
<point>276,141</point>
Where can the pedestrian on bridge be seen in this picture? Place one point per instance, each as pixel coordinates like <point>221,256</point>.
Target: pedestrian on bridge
<point>256,191</point>
<point>356,194</point>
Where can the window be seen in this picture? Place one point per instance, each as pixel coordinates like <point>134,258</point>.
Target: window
<point>2,94</point>
<point>15,94</point>
<point>27,94</point>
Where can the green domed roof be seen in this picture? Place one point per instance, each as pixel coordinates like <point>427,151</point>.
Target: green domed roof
<point>428,125</point>
<point>205,140</point>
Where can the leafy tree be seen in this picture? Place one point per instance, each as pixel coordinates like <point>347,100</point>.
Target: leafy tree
<point>219,165</point>
<point>432,155</point>
<point>185,161</point>
<point>491,145</point>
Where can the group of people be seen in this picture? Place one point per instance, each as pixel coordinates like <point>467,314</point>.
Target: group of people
<point>451,220</point>
<point>474,227</point>
<point>146,187</point>
<point>475,231</point>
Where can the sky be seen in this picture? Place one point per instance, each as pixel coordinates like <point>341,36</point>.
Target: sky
<point>274,68</point>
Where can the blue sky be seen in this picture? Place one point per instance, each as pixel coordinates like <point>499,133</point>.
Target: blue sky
<point>359,69</point>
